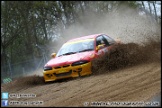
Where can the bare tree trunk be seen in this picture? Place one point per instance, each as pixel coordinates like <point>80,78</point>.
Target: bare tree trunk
<point>143,5</point>
<point>155,10</point>
<point>44,23</point>
<point>44,29</point>
<point>81,6</point>
<point>149,7</point>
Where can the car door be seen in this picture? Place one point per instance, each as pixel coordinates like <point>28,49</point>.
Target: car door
<point>100,40</point>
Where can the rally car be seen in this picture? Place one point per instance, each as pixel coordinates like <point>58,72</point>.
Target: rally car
<point>75,56</point>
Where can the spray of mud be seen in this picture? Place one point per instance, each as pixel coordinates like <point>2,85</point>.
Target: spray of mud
<point>126,24</point>
<point>126,55</point>
<point>139,33</point>
<point>23,82</point>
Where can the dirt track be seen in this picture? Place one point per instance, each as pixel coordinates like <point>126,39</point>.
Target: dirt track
<point>134,84</point>
<point>131,77</point>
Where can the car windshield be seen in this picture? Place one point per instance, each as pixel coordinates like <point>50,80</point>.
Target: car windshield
<point>76,47</point>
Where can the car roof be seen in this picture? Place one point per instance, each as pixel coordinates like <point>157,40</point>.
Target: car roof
<point>84,37</point>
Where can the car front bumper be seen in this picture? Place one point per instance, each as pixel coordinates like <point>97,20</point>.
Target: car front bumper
<point>66,72</point>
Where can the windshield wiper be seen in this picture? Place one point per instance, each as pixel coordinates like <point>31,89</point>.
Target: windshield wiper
<point>86,50</point>
<point>68,53</point>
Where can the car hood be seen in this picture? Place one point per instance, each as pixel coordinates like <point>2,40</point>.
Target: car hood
<point>68,59</point>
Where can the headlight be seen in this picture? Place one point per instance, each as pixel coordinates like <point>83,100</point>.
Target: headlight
<point>79,62</point>
<point>47,68</point>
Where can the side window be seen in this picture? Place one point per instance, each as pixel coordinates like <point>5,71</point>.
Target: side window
<point>101,40</point>
<point>106,42</point>
<point>109,39</point>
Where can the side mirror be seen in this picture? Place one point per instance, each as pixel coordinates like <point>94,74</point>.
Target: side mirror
<point>100,47</point>
<point>53,55</point>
